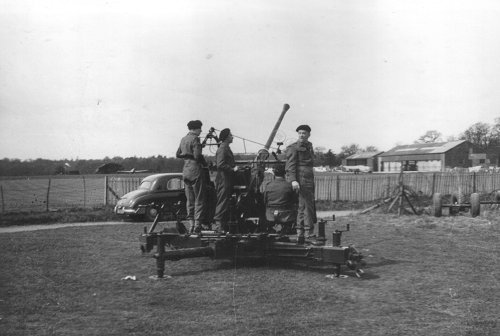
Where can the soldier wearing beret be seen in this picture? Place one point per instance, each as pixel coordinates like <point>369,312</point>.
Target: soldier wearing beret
<point>280,201</point>
<point>193,175</point>
<point>223,180</point>
<point>299,169</point>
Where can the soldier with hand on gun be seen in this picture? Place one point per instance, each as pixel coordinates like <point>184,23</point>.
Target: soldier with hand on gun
<point>224,179</point>
<point>194,178</point>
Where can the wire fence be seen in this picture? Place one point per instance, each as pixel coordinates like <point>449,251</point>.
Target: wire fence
<point>90,191</point>
<point>48,193</point>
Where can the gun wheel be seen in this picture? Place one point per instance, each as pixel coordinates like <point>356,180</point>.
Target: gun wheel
<point>475,205</point>
<point>437,205</point>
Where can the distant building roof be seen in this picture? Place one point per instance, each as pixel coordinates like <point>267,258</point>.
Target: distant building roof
<point>423,148</point>
<point>363,155</point>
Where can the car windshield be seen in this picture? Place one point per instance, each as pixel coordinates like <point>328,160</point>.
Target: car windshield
<point>145,185</point>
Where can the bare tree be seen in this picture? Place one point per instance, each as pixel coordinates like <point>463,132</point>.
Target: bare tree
<point>346,151</point>
<point>371,149</point>
<point>325,158</point>
<point>479,134</point>
<point>495,133</point>
<point>430,136</point>
<point>319,156</point>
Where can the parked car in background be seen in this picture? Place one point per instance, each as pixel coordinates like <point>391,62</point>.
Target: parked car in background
<point>356,169</point>
<point>156,189</point>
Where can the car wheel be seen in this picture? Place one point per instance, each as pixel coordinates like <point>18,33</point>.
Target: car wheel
<point>150,214</point>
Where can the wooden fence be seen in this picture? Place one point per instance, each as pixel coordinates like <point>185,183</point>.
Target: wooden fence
<point>370,187</point>
<point>46,193</point>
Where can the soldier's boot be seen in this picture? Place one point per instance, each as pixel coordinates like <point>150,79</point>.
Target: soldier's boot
<point>225,227</point>
<point>191,226</point>
<point>197,226</point>
<point>218,226</point>
<point>310,232</point>
<point>300,236</point>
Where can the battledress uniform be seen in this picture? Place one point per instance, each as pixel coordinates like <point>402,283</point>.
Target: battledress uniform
<point>194,179</point>
<point>223,182</point>
<point>280,201</point>
<point>299,167</point>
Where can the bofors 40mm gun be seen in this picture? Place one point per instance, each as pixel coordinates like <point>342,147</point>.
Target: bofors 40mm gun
<point>249,235</point>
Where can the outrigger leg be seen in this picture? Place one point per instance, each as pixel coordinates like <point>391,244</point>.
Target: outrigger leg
<point>160,257</point>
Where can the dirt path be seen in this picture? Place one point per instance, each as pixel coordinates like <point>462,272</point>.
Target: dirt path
<point>23,228</point>
<point>339,213</point>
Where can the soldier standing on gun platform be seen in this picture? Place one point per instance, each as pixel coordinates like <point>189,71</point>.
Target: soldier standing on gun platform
<point>194,179</point>
<point>223,180</point>
<point>300,172</point>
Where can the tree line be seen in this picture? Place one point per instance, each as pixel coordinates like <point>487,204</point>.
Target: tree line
<point>481,134</point>
<point>485,136</point>
<point>154,164</point>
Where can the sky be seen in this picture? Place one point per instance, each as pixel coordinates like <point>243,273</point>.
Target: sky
<point>86,79</point>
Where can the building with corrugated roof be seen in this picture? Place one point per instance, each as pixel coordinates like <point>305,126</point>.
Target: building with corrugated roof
<point>427,157</point>
<point>369,159</point>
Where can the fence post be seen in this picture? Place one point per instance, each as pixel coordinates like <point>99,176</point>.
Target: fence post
<point>433,189</point>
<point>388,185</point>
<point>474,182</point>
<point>3,203</point>
<point>48,192</point>
<point>337,195</point>
<point>106,190</point>
<point>84,192</point>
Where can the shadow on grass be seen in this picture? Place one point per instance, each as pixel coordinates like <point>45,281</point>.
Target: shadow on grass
<point>387,262</point>
<point>260,263</point>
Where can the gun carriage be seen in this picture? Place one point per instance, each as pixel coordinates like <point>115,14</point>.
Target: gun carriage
<point>457,205</point>
<point>250,234</point>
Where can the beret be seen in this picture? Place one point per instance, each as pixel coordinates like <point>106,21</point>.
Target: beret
<point>224,134</point>
<point>279,170</point>
<point>304,128</point>
<point>194,124</point>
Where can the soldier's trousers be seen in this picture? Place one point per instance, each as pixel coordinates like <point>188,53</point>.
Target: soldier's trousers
<point>224,188</point>
<point>306,214</point>
<point>195,198</point>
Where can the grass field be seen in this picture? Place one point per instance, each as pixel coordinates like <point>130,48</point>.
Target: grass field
<point>425,276</point>
<point>72,215</point>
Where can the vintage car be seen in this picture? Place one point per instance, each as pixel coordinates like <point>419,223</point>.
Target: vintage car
<point>167,188</point>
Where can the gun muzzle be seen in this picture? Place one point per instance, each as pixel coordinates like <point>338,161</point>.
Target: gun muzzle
<point>286,107</point>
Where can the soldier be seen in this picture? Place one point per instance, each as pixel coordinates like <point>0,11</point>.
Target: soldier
<point>299,168</point>
<point>223,180</point>
<point>280,201</point>
<point>194,178</point>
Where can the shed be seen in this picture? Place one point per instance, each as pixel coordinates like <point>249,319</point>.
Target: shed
<point>492,157</point>
<point>425,157</point>
<point>369,159</point>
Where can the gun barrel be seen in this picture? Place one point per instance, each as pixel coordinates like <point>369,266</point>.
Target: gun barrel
<point>194,252</point>
<point>286,107</point>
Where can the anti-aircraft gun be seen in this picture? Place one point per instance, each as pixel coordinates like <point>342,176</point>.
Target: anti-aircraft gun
<point>250,234</point>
